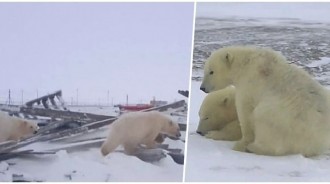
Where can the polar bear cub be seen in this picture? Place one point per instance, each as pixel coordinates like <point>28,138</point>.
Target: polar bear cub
<point>218,117</point>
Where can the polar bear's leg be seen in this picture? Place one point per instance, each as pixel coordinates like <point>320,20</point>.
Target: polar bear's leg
<point>110,145</point>
<point>152,139</point>
<point>151,144</point>
<point>270,132</point>
<point>244,113</point>
<point>231,132</point>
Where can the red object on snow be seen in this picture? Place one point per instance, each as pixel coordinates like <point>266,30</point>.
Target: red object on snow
<point>136,107</point>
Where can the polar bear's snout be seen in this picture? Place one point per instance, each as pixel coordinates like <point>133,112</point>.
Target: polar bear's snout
<point>178,134</point>
<point>202,88</point>
<point>200,133</point>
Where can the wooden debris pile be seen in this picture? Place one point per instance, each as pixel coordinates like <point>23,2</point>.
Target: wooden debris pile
<point>68,124</point>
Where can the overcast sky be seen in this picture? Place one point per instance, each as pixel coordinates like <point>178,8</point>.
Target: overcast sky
<point>305,11</point>
<point>139,49</point>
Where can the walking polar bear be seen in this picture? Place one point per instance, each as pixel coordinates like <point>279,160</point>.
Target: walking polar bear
<point>218,117</point>
<point>14,128</point>
<point>136,128</point>
<point>281,109</point>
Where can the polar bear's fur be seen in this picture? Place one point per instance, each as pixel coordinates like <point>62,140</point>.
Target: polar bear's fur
<point>136,128</point>
<point>281,109</point>
<point>218,117</point>
<point>13,128</point>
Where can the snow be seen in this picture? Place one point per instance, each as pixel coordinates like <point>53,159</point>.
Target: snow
<point>322,62</point>
<point>91,166</point>
<point>210,160</point>
<point>88,165</point>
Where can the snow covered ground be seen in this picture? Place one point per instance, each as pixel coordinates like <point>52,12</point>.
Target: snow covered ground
<point>304,43</point>
<point>88,164</point>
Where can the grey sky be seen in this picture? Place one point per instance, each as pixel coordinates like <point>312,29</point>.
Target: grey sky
<point>139,49</point>
<point>307,11</point>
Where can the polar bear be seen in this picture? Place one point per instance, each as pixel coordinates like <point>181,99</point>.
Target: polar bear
<point>218,117</point>
<point>136,128</point>
<point>281,109</point>
<point>13,128</point>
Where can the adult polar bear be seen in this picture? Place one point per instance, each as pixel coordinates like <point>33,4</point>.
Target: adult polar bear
<point>136,128</point>
<point>281,109</point>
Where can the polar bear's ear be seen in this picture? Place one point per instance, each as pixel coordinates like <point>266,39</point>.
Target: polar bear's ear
<point>229,59</point>
<point>224,102</point>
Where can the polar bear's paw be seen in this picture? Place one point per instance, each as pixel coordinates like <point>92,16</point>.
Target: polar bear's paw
<point>240,146</point>
<point>216,135</point>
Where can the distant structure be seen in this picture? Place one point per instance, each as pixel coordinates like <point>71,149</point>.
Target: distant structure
<point>157,103</point>
<point>44,100</point>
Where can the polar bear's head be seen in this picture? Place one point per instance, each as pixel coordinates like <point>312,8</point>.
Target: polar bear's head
<point>216,71</point>
<point>217,110</point>
<point>28,128</point>
<point>172,129</point>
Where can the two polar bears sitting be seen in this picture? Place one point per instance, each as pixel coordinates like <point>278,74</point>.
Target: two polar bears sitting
<point>281,110</point>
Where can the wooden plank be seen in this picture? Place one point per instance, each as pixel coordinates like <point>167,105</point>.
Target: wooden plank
<point>67,115</point>
<point>184,93</point>
<point>173,105</point>
<point>177,157</point>
<point>43,98</point>
<point>44,136</point>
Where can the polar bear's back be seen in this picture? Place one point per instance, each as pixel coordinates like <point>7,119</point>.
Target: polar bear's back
<point>135,125</point>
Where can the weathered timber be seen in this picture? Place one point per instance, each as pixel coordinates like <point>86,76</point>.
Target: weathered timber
<point>184,93</point>
<point>177,157</point>
<point>173,105</point>
<point>48,133</point>
<point>47,137</point>
<point>150,155</point>
<point>44,99</point>
<point>9,155</point>
<point>67,115</point>
<point>6,144</point>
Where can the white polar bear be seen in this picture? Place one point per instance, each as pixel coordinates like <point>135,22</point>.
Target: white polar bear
<point>281,109</point>
<point>13,128</point>
<point>136,128</point>
<point>218,117</point>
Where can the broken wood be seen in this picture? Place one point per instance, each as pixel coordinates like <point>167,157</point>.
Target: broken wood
<point>67,115</point>
<point>184,93</point>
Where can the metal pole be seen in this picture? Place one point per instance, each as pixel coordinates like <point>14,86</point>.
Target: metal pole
<point>108,98</point>
<point>9,98</point>
<point>77,96</point>
<point>22,96</point>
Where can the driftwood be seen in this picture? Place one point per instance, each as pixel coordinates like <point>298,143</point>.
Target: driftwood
<point>184,93</point>
<point>52,131</point>
<point>67,115</point>
<point>9,155</point>
<point>174,105</point>
<point>50,97</point>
